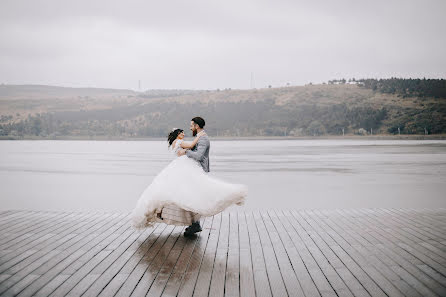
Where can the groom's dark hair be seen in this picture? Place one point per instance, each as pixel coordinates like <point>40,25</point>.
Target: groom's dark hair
<point>199,121</point>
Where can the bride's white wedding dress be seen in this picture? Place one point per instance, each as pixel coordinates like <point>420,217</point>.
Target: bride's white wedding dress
<point>184,185</point>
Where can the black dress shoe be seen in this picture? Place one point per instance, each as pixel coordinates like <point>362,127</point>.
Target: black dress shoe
<point>194,228</point>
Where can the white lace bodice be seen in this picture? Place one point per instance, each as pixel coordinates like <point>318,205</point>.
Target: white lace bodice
<point>176,147</point>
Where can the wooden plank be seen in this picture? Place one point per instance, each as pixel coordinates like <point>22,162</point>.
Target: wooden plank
<point>15,283</point>
<point>348,252</point>
<point>21,260</point>
<point>27,226</point>
<point>392,242</point>
<point>18,240</point>
<point>11,216</point>
<point>168,266</point>
<point>82,266</point>
<point>63,249</point>
<point>433,274</point>
<point>437,217</point>
<point>407,222</point>
<point>420,221</point>
<point>312,229</point>
<point>154,267</point>
<point>275,277</point>
<point>261,281</point>
<point>20,219</point>
<point>24,257</point>
<point>52,285</point>
<point>271,236</point>
<point>414,237</point>
<point>72,280</point>
<point>217,284</point>
<point>81,287</point>
<point>202,284</point>
<point>368,252</point>
<point>140,278</point>
<point>232,282</point>
<point>286,234</point>
<point>92,247</point>
<point>423,242</point>
<point>408,279</point>
<point>201,252</point>
<point>323,242</point>
<point>247,286</point>
<point>140,261</point>
<point>114,264</point>
<point>298,234</point>
<point>56,265</point>
<point>16,256</point>
<point>114,285</point>
<point>393,253</point>
<point>43,235</point>
<point>434,219</point>
<point>145,246</point>
<point>114,275</point>
<point>357,266</point>
<point>421,281</point>
<point>397,239</point>
<point>186,269</point>
<point>88,255</point>
<point>6,212</point>
<point>23,283</point>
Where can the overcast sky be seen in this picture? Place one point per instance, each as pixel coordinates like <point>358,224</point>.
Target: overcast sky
<point>209,44</point>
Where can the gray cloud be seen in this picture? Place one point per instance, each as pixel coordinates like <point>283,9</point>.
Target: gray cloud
<point>205,44</point>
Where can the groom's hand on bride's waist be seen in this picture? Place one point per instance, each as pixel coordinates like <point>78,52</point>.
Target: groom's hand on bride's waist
<point>181,152</point>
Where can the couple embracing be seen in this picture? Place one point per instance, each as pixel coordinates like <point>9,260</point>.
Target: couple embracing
<point>183,192</point>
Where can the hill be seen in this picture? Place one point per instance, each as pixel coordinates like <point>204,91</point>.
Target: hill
<point>325,109</point>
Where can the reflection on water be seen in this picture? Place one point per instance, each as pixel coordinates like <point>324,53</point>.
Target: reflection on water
<point>110,175</point>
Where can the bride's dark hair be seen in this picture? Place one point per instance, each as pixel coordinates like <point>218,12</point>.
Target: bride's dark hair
<point>173,135</point>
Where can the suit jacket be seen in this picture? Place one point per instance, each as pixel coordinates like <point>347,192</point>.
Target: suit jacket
<point>200,152</point>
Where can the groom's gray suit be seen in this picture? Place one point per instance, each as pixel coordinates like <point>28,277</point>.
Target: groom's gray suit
<point>200,152</point>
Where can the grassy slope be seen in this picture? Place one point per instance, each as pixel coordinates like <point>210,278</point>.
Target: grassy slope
<point>21,101</point>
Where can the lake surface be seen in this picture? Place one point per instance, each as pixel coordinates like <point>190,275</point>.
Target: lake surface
<point>110,175</point>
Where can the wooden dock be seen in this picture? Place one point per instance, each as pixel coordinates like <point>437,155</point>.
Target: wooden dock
<point>348,252</point>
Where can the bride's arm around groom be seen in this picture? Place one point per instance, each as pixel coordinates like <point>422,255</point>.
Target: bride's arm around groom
<point>200,152</point>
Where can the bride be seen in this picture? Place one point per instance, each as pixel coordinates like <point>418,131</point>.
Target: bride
<point>183,192</point>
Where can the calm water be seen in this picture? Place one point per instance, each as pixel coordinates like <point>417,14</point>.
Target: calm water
<point>110,175</point>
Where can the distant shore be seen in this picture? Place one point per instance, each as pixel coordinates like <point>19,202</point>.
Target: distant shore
<point>232,138</point>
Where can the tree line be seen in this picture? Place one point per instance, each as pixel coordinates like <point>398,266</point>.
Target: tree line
<point>261,116</point>
<point>435,88</point>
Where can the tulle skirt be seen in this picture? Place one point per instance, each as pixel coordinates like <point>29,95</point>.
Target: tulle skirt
<point>184,185</point>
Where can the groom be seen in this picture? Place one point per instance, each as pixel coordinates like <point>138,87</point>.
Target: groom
<point>199,153</point>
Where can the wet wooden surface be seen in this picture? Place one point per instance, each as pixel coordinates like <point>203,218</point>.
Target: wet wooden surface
<point>348,252</point>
